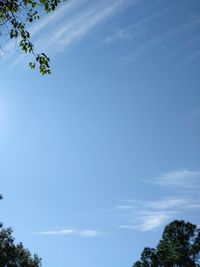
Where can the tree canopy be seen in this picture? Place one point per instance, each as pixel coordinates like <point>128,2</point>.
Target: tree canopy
<point>179,247</point>
<point>15,255</point>
<point>15,15</point>
<point>12,254</point>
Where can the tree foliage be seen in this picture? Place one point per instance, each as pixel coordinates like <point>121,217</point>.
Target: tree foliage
<point>15,15</point>
<point>15,255</point>
<point>179,247</point>
<point>12,254</point>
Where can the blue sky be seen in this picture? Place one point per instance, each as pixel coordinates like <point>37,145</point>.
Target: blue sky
<point>96,158</point>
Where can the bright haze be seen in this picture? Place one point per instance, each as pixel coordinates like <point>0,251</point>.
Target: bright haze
<point>98,157</point>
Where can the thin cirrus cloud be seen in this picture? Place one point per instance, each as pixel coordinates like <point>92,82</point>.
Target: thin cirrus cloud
<point>167,203</point>
<point>58,232</point>
<point>148,215</point>
<point>55,16</point>
<point>120,34</point>
<point>180,178</point>
<point>88,233</point>
<point>69,232</point>
<point>74,20</point>
<point>162,37</point>
<point>79,24</point>
<point>48,20</point>
<point>134,31</point>
<point>71,23</point>
<point>147,221</point>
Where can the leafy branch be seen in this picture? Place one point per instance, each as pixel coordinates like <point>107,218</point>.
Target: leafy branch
<point>14,17</point>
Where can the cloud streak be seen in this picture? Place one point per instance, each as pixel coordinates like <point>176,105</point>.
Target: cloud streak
<point>147,215</point>
<point>58,232</point>
<point>70,232</point>
<point>54,17</point>
<point>149,221</point>
<point>70,23</point>
<point>181,178</point>
<point>150,215</point>
<point>120,34</point>
<point>162,37</point>
<point>134,30</point>
<point>80,24</point>
<point>88,233</point>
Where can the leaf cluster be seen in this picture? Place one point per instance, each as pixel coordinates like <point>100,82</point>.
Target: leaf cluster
<point>15,15</point>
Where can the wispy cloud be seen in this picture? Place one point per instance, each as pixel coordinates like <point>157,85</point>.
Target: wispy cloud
<point>68,232</point>
<point>84,21</point>
<point>124,207</point>
<point>163,37</point>
<point>134,31</point>
<point>181,178</point>
<point>120,34</point>
<point>55,16</point>
<point>37,30</point>
<point>148,221</point>
<point>58,232</point>
<point>47,21</point>
<point>88,233</point>
<point>71,23</point>
<point>147,215</point>
<point>155,15</point>
<point>167,203</point>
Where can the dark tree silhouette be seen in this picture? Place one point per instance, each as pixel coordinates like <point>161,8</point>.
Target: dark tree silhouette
<point>15,255</point>
<point>179,247</point>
